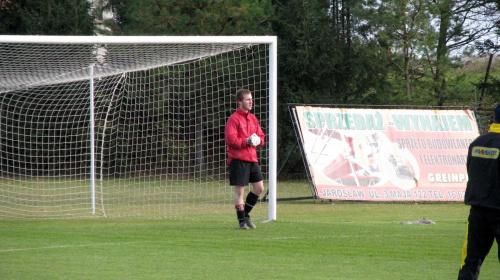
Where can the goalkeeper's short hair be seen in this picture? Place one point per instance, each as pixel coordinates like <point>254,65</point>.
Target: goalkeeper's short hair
<point>240,93</point>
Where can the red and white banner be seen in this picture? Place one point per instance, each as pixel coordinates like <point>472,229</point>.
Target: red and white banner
<point>387,154</point>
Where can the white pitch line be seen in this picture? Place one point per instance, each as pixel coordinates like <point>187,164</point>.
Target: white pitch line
<point>69,246</point>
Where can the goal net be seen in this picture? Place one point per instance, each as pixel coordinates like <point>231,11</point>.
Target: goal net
<point>128,126</point>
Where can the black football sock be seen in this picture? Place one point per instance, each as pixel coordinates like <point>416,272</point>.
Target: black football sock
<point>240,212</point>
<point>250,202</point>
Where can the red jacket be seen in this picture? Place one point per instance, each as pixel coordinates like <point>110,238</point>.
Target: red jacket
<point>239,127</point>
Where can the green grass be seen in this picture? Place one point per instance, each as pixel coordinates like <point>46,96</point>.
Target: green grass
<point>308,241</point>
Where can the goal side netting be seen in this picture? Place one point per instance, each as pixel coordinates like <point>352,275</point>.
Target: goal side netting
<point>128,126</point>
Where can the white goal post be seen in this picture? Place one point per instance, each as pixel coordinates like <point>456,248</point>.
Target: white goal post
<point>128,125</point>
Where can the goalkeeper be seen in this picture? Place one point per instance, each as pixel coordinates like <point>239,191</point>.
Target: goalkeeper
<point>243,134</point>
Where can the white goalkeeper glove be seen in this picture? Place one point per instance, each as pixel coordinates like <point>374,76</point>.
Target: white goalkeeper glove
<point>253,140</point>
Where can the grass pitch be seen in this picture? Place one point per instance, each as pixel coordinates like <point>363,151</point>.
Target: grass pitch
<point>308,241</point>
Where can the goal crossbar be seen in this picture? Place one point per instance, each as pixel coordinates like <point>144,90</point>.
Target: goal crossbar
<point>130,40</point>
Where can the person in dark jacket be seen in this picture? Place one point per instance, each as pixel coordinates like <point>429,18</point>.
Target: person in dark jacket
<point>483,195</point>
<point>243,135</point>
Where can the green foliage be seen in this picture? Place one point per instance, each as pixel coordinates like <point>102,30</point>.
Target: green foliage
<point>320,64</point>
<point>330,52</point>
<point>308,51</point>
<point>401,27</point>
<point>46,17</point>
<point>191,17</point>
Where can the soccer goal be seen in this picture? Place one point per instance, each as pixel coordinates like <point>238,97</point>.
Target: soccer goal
<point>112,126</point>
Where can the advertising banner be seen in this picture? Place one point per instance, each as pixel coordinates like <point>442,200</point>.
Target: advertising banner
<point>387,154</point>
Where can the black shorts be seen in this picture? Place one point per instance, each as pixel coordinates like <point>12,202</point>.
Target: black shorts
<point>243,172</point>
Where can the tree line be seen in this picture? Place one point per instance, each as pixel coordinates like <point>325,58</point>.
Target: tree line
<point>411,52</point>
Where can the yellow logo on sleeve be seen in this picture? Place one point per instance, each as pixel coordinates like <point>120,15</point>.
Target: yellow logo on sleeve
<point>484,152</point>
